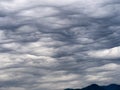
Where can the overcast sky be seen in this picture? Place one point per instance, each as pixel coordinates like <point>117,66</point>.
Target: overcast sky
<point>57,44</point>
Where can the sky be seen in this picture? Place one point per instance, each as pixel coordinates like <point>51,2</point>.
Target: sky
<point>57,44</point>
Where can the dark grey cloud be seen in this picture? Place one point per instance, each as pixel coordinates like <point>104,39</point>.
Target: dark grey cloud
<point>53,44</point>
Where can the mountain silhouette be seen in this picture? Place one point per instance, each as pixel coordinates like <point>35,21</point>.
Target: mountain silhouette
<point>97,87</point>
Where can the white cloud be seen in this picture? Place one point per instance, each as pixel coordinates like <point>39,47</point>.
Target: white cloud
<point>59,77</point>
<point>105,53</point>
<point>13,88</point>
<point>103,73</point>
<point>97,78</point>
<point>110,66</point>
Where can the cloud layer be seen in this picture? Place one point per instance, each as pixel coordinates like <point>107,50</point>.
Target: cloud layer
<point>54,44</point>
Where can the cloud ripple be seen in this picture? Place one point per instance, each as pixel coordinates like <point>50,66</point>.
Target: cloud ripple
<point>53,44</point>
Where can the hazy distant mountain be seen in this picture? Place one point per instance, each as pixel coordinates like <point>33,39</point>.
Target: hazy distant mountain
<point>97,87</point>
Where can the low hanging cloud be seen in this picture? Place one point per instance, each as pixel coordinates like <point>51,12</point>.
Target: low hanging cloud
<point>54,44</point>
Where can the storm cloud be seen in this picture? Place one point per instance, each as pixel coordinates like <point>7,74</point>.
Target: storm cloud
<point>55,44</point>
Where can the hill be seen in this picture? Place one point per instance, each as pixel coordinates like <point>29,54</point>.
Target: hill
<point>97,87</point>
